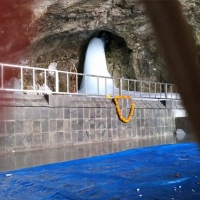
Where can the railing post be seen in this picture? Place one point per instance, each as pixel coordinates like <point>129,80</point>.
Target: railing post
<point>2,76</point>
<point>22,80</point>
<point>57,82</point>
<point>120,86</point>
<point>34,79</point>
<point>165,88</point>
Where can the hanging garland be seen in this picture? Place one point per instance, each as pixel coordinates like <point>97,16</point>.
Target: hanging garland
<point>119,112</point>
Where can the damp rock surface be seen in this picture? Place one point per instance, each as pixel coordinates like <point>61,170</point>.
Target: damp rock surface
<point>64,28</point>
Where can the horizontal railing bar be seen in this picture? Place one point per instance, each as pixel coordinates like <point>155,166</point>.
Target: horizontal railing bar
<point>136,94</point>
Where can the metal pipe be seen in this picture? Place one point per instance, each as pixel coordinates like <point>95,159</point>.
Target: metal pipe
<point>22,80</point>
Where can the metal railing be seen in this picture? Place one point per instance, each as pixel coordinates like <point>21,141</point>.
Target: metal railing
<point>25,79</point>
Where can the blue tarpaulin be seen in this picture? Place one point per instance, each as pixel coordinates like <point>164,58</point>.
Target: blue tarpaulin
<point>150,173</point>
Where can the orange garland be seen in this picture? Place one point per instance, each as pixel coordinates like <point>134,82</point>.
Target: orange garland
<point>119,112</point>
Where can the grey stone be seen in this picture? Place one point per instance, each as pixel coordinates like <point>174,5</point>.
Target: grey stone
<point>80,124</point>
<point>52,113</point>
<point>44,113</point>
<point>2,127</point>
<point>19,141</point>
<point>67,112</point>
<point>75,137</point>
<point>142,121</point>
<point>85,136</point>
<point>3,143</point>
<point>74,113</point>
<point>109,112</point>
<point>104,113</point>
<point>86,124</point>
<point>28,126</point>
<point>68,137</point>
<point>19,125</point>
<point>3,113</point>
<point>36,127</point>
<point>60,113</point>
<point>53,126</point>
<point>86,113</point>
<point>59,125</point>
<point>59,138</point>
<point>59,100</point>
<point>37,140</point>
<point>92,123</point>
<point>45,126</point>
<point>92,112</point>
<point>28,140</point>
<point>45,139</point>
<point>109,123</point>
<point>36,113</point>
<point>114,123</point>
<point>28,113</point>
<point>9,142</point>
<point>10,127</point>
<point>98,113</point>
<point>80,113</point>
<point>67,124</point>
<point>74,124</point>
<point>10,113</point>
<point>80,136</point>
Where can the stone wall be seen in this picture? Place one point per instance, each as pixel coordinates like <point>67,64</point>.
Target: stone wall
<point>36,122</point>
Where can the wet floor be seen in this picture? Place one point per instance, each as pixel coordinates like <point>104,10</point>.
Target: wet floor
<point>18,160</point>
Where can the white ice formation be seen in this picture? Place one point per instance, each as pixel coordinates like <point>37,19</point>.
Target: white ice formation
<point>180,134</point>
<point>95,64</point>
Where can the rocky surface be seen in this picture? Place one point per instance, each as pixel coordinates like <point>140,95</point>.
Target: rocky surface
<point>64,27</point>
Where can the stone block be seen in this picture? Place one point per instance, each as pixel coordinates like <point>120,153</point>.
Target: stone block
<point>19,141</point>
<point>19,125</point>
<point>60,125</point>
<point>9,142</point>
<point>37,140</point>
<point>60,113</point>
<point>3,143</point>
<point>52,126</point>
<point>52,113</point>
<point>80,113</point>
<point>73,113</point>
<point>59,138</point>
<point>110,134</point>
<point>52,100</point>
<point>80,136</point>
<point>75,136</point>
<point>45,139</point>
<point>66,125</point>
<point>44,112</point>
<point>80,124</point>
<point>10,127</point>
<point>10,113</point>
<point>109,123</point>
<point>36,126</point>
<point>2,127</point>
<point>86,113</point>
<point>92,113</point>
<point>74,124</point>
<point>36,113</point>
<point>28,126</point>
<point>28,140</point>
<point>59,100</point>
<point>28,113</point>
<point>45,126</point>
<point>98,113</point>
<point>68,137</point>
<point>85,135</point>
<point>67,113</point>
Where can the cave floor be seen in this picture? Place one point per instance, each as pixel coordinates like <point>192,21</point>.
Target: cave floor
<point>18,160</point>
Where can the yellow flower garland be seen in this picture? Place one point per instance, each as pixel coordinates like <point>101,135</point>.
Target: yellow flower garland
<point>119,112</point>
